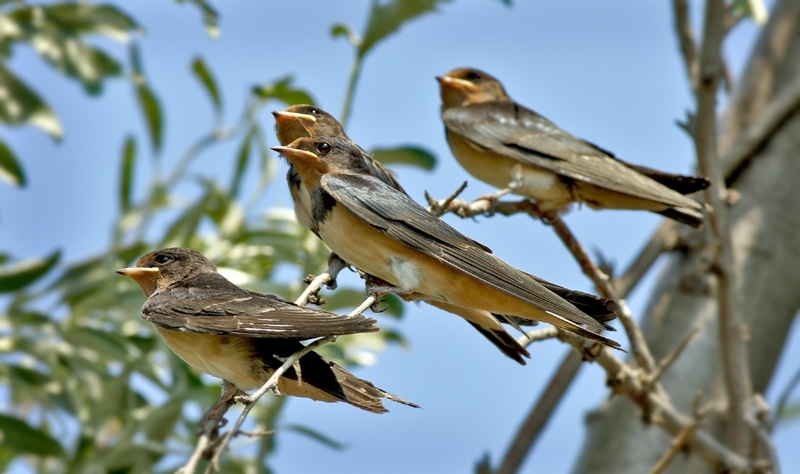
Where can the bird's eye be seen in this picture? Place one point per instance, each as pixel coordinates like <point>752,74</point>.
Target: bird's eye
<point>473,76</point>
<point>315,111</point>
<point>323,148</point>
<point>162,259</point>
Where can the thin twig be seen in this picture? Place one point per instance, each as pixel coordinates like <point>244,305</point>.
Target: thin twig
<point>210,424</point>
<point>675,447</point>
<point>783,399</point>
<point>639,348</point>
<point>664,239</point>
<point>437,208</point>
<point>734,349</point>
<point>687,41</point>
<point>536,335</point>
<point>667,361</point>
<point>334,267</point>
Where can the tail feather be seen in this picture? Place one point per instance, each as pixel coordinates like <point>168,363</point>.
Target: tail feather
<point>685,216</point>
<point>677,182</point>
<point>505,342</point>
<point>324,380</point>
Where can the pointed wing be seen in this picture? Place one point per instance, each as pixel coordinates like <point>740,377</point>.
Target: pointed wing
<point>513,131</point>
<point>403,220</point>
<point>222,311</point>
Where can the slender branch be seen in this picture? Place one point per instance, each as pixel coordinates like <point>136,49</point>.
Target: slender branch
<point>667,361</point>
<point>734,349</point>
<point>687,41</point>
<point>312,290</point>
<point>675,447</point>
<point>664,239</point>
<point>783,399</point>
<point>536,335</point>
<point>209,425</point>
<point>638,345</point>
<point>355,72</point>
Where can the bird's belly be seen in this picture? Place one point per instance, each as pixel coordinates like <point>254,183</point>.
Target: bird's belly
<point>368,249</point>
<point>549,191</point>
<point>227,357</point>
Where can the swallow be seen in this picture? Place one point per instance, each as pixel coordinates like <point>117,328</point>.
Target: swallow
<point>385,233</point>
<point>241,336</point>
<point>300,121</point>
<point>304,120</point>
<point>505,145</point>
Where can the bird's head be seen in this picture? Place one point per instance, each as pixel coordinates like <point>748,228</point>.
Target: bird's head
<point>466,86</point>
<point>162,268</point>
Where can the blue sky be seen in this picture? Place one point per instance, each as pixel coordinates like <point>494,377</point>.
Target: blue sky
<point>606,71</point>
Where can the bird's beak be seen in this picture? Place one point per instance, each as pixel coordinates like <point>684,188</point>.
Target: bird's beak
<point>282,116</point>
<point>295,155</point>
<point>144,276</point>
<point>460,84</point>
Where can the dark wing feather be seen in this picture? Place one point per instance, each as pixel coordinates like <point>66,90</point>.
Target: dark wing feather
<point>513,131</point>
<point>244,313</point>
<point>402,219</point>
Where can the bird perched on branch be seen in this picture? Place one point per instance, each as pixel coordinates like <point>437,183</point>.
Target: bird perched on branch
<point>506,145</point>
<point>241,336</point>
<point>384,233</point>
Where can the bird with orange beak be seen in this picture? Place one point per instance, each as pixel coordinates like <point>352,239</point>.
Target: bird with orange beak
<point>385,233</point>
<point>242,337</point>
<point>507,145</point>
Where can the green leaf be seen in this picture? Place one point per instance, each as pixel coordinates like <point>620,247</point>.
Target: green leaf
<point>10,169</point>
<point>341,29</point>
<point>126,174</point>
<point>21,274</point>
<point>160,423</point>
<point>204,75</point>
<point>386,18</point>
<point>23,438</point>
<point>283,90</point>
<point>29,376</point>
<point>242,158</point>
<point>409,155</point>
<point>106,20</point>
<point>210,17</point>
<point>151,108</point>
<point>55,32</point>
<point>110,346</point>
<point>19,104</point>
<point>317,436</point>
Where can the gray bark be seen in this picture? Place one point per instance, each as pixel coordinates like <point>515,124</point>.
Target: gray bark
<point>765,224</point>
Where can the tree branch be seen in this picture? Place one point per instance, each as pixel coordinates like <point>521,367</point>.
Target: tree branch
<point>631,382</point>
<point>686,39</point>
<point>734,349</point>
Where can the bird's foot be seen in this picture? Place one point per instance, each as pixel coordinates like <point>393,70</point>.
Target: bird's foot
<point>487,203</point>
<point>380,288</point>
